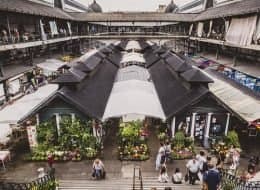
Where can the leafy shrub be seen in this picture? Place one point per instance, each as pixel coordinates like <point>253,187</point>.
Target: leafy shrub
<point>232,139</point>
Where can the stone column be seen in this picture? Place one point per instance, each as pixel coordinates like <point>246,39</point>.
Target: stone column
<point>37,119</point>
<point>58,123</point>
<point>227,123</point>
<point>193,120</point>
<point>72,117</point>
<point>173,126</point>
<point>206,136</point>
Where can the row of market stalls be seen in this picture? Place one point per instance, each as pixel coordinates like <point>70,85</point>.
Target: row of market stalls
<point>166,87</point>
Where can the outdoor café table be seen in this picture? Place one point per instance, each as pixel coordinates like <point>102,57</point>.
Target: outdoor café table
<point>4,156</point>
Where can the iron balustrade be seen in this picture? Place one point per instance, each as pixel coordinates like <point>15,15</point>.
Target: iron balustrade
<point>229,181</point>
<point>47,182</point>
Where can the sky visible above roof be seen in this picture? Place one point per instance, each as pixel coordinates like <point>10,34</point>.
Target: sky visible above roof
<point>132,5</point>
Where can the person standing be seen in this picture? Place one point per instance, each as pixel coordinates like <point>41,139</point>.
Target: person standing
<point>211,178</point>
<point>168,150</point>
<point>160,158</point>
<point>163,176</point>
<point>193,168</point>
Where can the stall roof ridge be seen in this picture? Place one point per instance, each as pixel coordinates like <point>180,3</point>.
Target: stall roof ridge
<point>32,8</point>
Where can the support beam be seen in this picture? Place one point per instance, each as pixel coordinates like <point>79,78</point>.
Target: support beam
<point>173,126</point>
<point>206,136</point>
<point>217,53</point>
<point>227,123</point>
<point>193,120</point>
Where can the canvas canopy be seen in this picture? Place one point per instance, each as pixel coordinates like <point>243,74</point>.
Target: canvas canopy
<point>244,105</point>
<point>239,34</point>
<point>133,45</point>
<point>133,57</point>
<point>51,65</point>
<point>133,97</point>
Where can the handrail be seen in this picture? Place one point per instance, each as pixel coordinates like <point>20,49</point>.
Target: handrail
<point>46,182</point>
<point>140,178</point>
<point>234,182</point>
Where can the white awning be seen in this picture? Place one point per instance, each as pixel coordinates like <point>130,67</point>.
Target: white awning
<point>13,113</point>
<point>132,72</point>
<point>133,57</point>
<point>244,105</point>
<point>133,45</point>
<point>133,97</point>
<point>51,65</point>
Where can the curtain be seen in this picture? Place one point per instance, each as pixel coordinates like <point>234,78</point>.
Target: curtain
<point>69,27</point>
<point>14,86</point>
<point>226,25</point>
<point>210,28</point>
<point>241,30</point>
<point>43,35</point>
<point>54,28</point>
<point>190,30</point>
<point>257,32</point>
<point>200,29</point>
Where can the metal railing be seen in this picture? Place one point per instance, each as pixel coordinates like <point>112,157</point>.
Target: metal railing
<point>47,182</point>
<point>230,181</point>
<point>139,178</point>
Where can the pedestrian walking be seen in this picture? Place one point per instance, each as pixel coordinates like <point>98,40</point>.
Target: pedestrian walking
<point>211,178</point>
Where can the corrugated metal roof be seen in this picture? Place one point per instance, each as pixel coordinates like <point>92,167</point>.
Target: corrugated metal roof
<point>237,8</point>
<point>28,7</point>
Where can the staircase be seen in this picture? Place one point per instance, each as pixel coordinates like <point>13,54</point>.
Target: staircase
<point>121,184</point>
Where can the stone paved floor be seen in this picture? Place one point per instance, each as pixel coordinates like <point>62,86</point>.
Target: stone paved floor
<point>27,171</point>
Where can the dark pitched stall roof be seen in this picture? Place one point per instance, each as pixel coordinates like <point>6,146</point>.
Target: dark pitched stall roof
<point>144,45</point>
<point>122,45</point>
<point>174,97</point>
<point>28,7</point>
<point>160,50</point>
<point>194,75</point>
<point>74,75</point>
<point>92,62</point>
<point>134,16</point>
<point>12,70</point>
<point>95,91</point>
<point>166,54</point>
<point>237,8</point>
<point>150,58</point>
<point>115,58</point>
<point>177,64</point>
<point>106,50</point>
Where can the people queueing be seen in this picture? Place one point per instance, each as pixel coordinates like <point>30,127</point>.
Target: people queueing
<point>193,168</point>
<point>160,158</point>
<point>98,169</point>
<point>177,177</point>
<point>163,176</point>
<point>211,178</point>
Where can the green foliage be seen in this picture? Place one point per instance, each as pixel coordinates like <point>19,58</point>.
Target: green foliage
<point>179,139</point>
<point>130,131</point>
<point>228,185</point>
<point>74,142</point>
<point>47,134</point>
<point>162,136</point>
<point>232,139</point>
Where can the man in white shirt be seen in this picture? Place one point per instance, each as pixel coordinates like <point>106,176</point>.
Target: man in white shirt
<point>193,168</point>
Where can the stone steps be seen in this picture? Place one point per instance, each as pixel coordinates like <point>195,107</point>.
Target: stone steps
<point>121,184</point>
